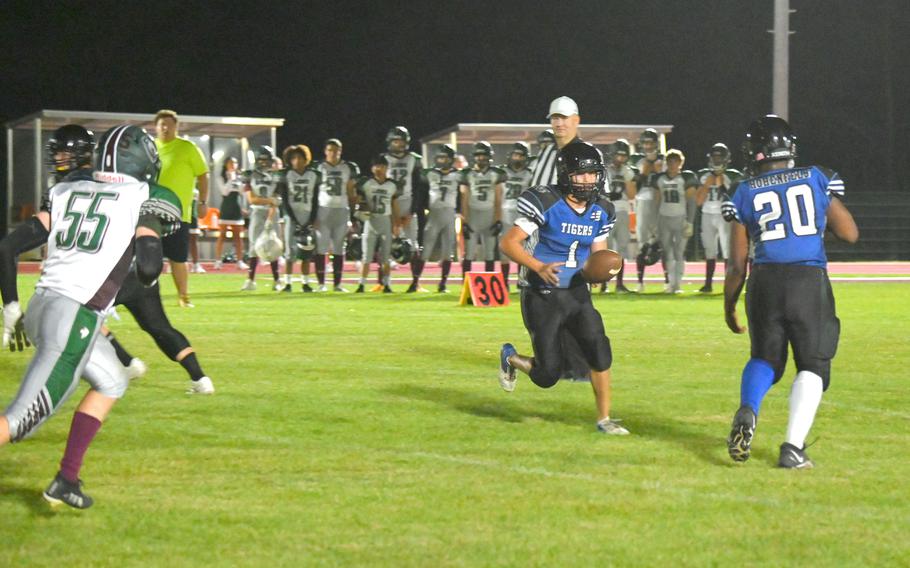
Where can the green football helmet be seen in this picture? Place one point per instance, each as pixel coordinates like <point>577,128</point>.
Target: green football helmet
<point>128,149</point>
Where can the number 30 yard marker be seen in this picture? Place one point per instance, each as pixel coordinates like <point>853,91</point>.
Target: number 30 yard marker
<point>484,290</point>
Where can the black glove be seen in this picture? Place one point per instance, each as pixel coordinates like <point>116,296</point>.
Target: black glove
<point>728,211</point>
<point>496,228</point>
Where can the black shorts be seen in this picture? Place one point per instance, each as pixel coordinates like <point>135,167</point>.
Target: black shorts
<point>549,314</point>
<point>176,246</point>
<point>792,305</point>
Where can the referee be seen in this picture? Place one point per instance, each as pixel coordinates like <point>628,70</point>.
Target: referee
<point>564,119</point>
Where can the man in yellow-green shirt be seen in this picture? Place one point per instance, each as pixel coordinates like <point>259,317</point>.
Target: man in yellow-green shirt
<point>183,168</point>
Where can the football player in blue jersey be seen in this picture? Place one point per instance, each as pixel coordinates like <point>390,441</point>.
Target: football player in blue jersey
<point>558,227</point>
<point>785,211</point>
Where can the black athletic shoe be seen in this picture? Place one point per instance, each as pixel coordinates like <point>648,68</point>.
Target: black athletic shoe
<point>62,491</point>
<point>706,289</point>
<point>621,289</point>
<point>359,289</point>
<point>441,289</point>
<point>739,444</point>
<point>411,289</point>
<point>386,289</point>
<point>792,457</point>
<point>307,288</point>
<point>287,288</point>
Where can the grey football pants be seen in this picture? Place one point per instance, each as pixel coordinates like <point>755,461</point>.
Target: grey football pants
<point>67,345</point>
<point>671,231</point>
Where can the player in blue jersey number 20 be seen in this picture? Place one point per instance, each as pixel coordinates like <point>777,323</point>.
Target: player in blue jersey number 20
<point>558,227</point>
<point>784,210</point>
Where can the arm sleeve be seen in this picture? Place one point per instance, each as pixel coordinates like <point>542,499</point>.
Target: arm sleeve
<point>530,206</point>
<point>835,185</point>
<point>609,220</point>
<point>30,234</point>
<point>149,259</point>
<point>526,225</point>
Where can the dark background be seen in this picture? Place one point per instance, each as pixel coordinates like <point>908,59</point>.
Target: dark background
<point>353,69</point>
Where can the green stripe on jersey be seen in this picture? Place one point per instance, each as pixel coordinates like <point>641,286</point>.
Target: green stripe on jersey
<point>64,371</point>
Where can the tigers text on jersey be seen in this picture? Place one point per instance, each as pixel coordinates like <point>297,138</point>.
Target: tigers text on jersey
<point>516,182</point>
<point>564,234</point>
<point>716,194</point>
<point>785,211</point>
<point>262,183</point>
<point>378,196</point>
<point>404,169</point>
<point>334,190</point>
<point>482,187</point>
<point>302,188</point>
<point>93,222</point>
<point>443,188</point>
<point>618,177</point>
<point>673,192</point>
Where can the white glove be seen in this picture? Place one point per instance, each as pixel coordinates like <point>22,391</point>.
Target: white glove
<point>12,319</point>
<point>690,230</point>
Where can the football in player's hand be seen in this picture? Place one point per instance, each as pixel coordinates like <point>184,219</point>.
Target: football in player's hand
<point>601,266</point>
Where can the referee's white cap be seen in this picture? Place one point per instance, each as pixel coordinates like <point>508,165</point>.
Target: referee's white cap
<point>564,106</point>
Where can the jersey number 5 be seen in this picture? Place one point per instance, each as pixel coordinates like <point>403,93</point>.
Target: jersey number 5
<point>800,208</point>
<point>88,240</point>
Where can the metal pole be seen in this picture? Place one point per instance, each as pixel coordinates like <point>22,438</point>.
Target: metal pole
<point>9,177</point>
<point>781,72</point>
<point>39,169</point>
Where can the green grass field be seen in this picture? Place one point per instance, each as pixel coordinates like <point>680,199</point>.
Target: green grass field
<point>371,431</point>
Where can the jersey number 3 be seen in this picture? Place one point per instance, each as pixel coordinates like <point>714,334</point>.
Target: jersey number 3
<point>800,207</point>
<point>88,240</point>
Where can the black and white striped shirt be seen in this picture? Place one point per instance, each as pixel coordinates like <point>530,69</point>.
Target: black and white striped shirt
<point>545,165</point>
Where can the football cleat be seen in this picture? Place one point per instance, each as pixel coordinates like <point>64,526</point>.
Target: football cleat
<point>287,288</point>
<point>641,288</point>
<point>184,302</point>
<point>387,289</point>
<point>376,288</point>
<point>706,289</point>
<point>322,288</point>
<point>136,369</point>
<point>63,491</point>
<point>277,286</point>
<point>341,289</point>
<point>611,427</point>
<point>307,288</point>
<point>412,288</point>
<point>248,286</point>
<point>359,289</point>
<point>739,444</point>
<point>792,457</point>
<point>621,289</point>
<point>242,265</point>
<point>198,269</point>
<point>506,370</point>
<point>442,289</point>
<point>202,386</point>
<point>218,265</point>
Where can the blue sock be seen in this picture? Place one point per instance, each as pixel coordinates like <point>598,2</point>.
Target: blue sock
<point>758,376</point>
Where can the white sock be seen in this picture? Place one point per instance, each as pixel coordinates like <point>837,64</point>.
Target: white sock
<point>363,280</point>
<point>306,278</point>
<point>805,396</point>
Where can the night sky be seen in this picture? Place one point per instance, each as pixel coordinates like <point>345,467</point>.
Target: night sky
<point>353,69</point>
